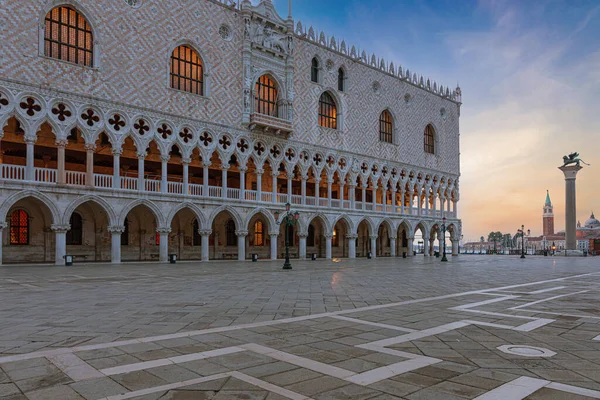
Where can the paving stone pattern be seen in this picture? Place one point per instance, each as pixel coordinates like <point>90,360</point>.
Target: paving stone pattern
<point>364,329</point>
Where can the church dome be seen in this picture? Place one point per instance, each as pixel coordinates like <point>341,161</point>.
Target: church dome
<point>592,222</point>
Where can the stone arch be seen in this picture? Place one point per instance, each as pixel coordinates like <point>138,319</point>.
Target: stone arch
<point>160,221</point>
<point>9,202</point>
<point>103,204</point>
<point>389,223</point>
<point>305,223</point>
<point>349,224</point>
<point>272,224</point>
<point>191,206</point>
<point>370,224</point>
<point>239,222</point>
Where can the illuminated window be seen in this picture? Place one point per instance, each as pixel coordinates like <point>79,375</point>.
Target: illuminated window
<point>68,36</point>
<point>19,227</point>
<point>75,234</point>
<point>386,127</point>
<point>310,240</point>
<point>230,233</point>
<point>125,234</point>
<point>335,240</point>
<point>187,70</point>
<point>314,70</point>
<point>341,77</point>
<point>429,139</point>
<point>197,238</point>
<point>259,237</point>
<point>265,100</point>
<point>327,111</point>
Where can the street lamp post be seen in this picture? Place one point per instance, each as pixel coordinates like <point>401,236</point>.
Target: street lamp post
<point>289,219</point>
<point>553,248</point>
<point>444,258</point>
<point>522,232</point>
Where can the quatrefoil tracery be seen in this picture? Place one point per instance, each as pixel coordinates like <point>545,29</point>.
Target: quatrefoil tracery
<point>186,135</point>
<point>90,117</point>
<point>141,126</point>
<point>164,131</point>
<point>206,139</point>
<point>275,152</point>
<point>225,142</point>
<point>3,101</point>
<point>117,122</point>
<point>30,106</point>
<point>243,145</point>
<point>61,111</point>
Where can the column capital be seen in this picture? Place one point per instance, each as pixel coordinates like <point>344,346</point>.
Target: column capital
<point>3,225</point>
<point>141,155</point>
<point>225,167</point>
<point>206,164</point>
<point>291,175</point>
<point>571,171</point>
<point>373,237</point>
<point>330,180</point>
<point>205,232</point>
<point>243,169</point>
<point>165,157</point>
<point>116,229</point>
<point>302,235</point>
<point>393,238</point>
<point>352,237</point>
<point>304,177</point>
<point>163,231</point>
<point>241,233</point>
<point>352,185</point>
<point>273,235</point>
<point>259,171</point>
<point>62,143</point>
<point>186,160</point>
<point>57,228</point>
<point>275,174</point>
<point>117,152</point>
<point>30,139</point>
<point>328,236</point>
<point>89,147</point>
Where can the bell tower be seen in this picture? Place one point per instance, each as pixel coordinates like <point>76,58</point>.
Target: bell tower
<point>548,217</point>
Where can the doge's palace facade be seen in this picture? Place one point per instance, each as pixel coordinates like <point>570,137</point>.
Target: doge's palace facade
<point>134,129</point>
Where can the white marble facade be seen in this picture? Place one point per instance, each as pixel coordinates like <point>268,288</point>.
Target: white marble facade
<point>150,170</point>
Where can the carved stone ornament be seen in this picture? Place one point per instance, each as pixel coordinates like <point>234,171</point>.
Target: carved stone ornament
<point>134,3</point>
<point>268,38</point>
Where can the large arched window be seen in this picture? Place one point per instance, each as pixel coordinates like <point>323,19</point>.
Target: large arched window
<point>75,234</point>
<point>19,227</point>
<point>259,234</point>
<point>386,127</point>
<point>68,36</point>
<point>327,111</point>
<point>429,139</point>
<point>187,70</point>
<point>197,238</point>
<point>341,79</point>
<point>265,99</point>
<point>314,70</point>
<point>230,233</point>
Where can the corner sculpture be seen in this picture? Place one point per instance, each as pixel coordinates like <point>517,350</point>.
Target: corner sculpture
<point>573,158</point>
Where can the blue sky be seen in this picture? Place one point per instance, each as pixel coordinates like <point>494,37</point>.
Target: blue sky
<point>530,75</point>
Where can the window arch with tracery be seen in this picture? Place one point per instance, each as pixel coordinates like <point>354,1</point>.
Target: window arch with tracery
<point>19,227</point>
<point>386,127</point>
<point>265,98</point>
<point>429,139</point>
<point>328,111</point>
<point>187,70</point>
<point>259,233</point>
<point>68,36</point>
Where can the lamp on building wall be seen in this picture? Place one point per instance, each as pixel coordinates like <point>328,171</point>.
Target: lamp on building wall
<point>288,220</point>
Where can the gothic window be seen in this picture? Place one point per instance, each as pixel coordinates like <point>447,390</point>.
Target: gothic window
<point>314,70</point>
<point>230,233</point>
<point>75,234</point>
<point>259,237</point>
<point>327,111</point>
<point>310,240</point>
<point>19,227</point>
<point>68,36</point>
<point>386,127</point>
<point>429,139</point>
<point>125,234</point>
<point>341,77</point>
<point>187,70</point>
<point>197,238</point>
<point>265,100</point>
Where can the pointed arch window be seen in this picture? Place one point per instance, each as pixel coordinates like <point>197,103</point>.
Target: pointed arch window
<point>386,127</point>
<point>187,70</point>
<point>230,233</point>
<point>429,139</point>
<point>68,37</point>
<point>19,227</point>
<point>259,234</point>
<point>310,240</point>
<point>197,238</point>
<point>328,111</point>
<point>75,234</point>
<point>125,234</point>
<point>341,79</point>
<point>314,70</point>
<point>265,99</point>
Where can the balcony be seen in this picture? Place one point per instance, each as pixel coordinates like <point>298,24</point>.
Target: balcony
<point>269,124</point>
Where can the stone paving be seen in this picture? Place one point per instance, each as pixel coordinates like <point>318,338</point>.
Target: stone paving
<point>477,327</point>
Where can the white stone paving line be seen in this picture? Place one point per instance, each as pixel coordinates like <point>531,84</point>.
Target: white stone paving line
<point>75,367</point>
<point>269,386</point>
<point>515,390</point>
<point>548,299</point>
<point>574,389</point>
<point>363,322</point>
<point>45,353</point>
<point>534,292</point>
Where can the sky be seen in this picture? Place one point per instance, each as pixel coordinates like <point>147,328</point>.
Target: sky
<point>529,71</point>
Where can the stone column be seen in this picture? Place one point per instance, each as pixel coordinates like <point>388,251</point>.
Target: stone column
<point>259,173</point>
<point>373,245</point>
<point>425,247</point>
<point>116,183</point>
<point>164,188</point>
<point>2,226</point>
<point>409,247</point>
<point>303,188</point>
<point>241,240</point>
<point>352,245</point>
<point>30,163</point>
<point>186,175</point>
<point>329,183</point>
<point>427,204</point>
<point>205,234</point>
<point>243,170</point>
<point>392,246</point>
<point>570,173</point>
<point>394,208</point>
<point>274,237</point>
<point>402,195</point>
<point>163,250</point>
<point>89,164</point>
<point>115,243</point>
<point>290,176</point>
<point>442,206</point>
<point>205,178</point>
<point>224,168</point>
<point>431,247</point>
<point>302,245</point>
<point>454,247</point>
<point>61,243</point>
<point>341,195</point>
<point>374,197</point>
<point>328,255</point>
<point>352,195</point>
<point>141,183</point>
<point>61,145</point>
<point>274,175</point>
<point>317,191</point>
<point>434,204</point>
<point>411,198</point>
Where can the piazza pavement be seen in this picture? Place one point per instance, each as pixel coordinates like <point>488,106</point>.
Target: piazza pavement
<point>477,327</point>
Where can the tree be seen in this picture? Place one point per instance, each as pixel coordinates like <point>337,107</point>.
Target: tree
<point>495,237</point>
<point>507,241</point>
